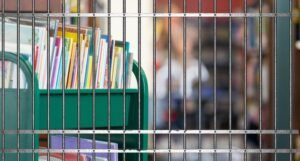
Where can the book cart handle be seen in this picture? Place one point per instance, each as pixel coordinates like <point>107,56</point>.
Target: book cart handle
<point>24,66</point>
<point>143,82</point>
<point>143,87</point>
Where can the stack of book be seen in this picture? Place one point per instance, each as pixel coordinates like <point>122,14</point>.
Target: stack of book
<point>80,50</point>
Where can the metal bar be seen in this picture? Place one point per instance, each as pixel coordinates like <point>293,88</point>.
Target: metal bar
<point>184,80</point>
<point>200,77</point>
<point>124,79</point>
<point>245,76</point>
<point>78,75</point>
<point>48,84</point>
<point>230,80</point>
<point>162,15</point>
<point>173,132</point>
<point>275,78</point>
<point>215,144</point>
<point>260,76</point>
<point>139,76</point>
<point>18,79</point>
<point>94,79</point>
<point>154,81</point>
<point>63,76</point>
<point>3,80</point>
<point>162,151</point>
<point>169,76</point>
<point>33,79</point>
<point>109,78</point>
<point>291,79</point>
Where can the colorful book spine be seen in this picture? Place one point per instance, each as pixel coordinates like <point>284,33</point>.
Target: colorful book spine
<point>72,63</point>
<point>89,75</point>
<point>57,60</point>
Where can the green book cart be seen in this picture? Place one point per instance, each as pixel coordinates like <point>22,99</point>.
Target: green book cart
<point>136,113</point>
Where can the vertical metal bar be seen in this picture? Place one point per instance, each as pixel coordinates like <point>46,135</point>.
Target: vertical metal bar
<point>154,80</point>
<point>169,78</point>
<point>275,79</point>
<point>63,107</point>
<point>139,77</point>
<point>260,78</point>
<point>109,76</point>
<point>3,80</point>
<point>18,79</point>
<point>230,80</point>
<point>63,74</point>
<point>94,76</point>
<point>33,80</point>
<point>200,78</point>
<point>215,82</point>
<point>291,79</point>
<point>124,79</point>
<point>184,80</point>
<point>48,83</point>
<point>78,76</point>
<point>245,77</point>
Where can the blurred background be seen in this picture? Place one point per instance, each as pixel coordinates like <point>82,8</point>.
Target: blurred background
<point>237,43</point>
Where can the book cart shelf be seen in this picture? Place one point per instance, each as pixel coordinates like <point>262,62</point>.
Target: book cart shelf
<point>133,113</point>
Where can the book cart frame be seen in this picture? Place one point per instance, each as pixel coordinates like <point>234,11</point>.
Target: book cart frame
<point>136,116</point>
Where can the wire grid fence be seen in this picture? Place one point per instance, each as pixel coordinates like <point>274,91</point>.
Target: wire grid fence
<point>181,142</point>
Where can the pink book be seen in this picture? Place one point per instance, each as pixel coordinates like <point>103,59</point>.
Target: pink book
<point>74,76</point>
<point>67,157</point>
<point>54,72</point>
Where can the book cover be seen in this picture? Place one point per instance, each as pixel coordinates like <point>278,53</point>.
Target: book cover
<point>83,57</point>
<point>84,68</point>
<point>25,38</point>
<point>89,75</point>
<point>71,67</point>
<point>119,65</point>
<point>129,70</point>
<point>104,65</point>
<point>60,70</point>
<point>72,32</point>
<point>57,60</point>
<point>71,143</point>
<point>98,65</point>
<point>75,73</point>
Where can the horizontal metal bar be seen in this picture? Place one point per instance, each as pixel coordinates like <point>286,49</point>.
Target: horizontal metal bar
<point>152,151</point>
<point>150,15</point>
<point>295,132</point>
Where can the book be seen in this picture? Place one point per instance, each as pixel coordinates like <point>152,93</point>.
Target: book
<point>59,157</point>
<point>71,143</point>
<point>98,55</point>
<point>89,74</point>
<point>56,63</point>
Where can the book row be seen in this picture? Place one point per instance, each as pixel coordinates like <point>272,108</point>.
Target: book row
<point>67,56</point>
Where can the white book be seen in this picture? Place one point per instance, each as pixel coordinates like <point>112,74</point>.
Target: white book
<point>120,74</point>
<point>104,64</point>
<point>8,73</point>
<point>83,57</point>
<point>56,66</point>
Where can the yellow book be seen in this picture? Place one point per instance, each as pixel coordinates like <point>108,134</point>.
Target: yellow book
<point>71,32</point>
<point>89,76</point>
<point>71,67</point>
<point>114,67</point>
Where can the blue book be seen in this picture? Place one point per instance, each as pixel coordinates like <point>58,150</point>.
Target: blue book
<point>71,143</point>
